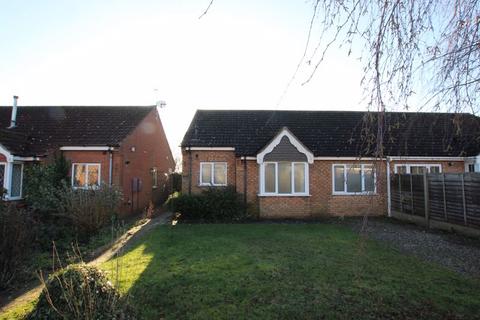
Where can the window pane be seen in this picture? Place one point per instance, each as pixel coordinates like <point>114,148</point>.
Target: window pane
<point>93,171</point>
<point>402,170</point>
<point>79,175</point>
<point>299,177</point>
<point>270,177</point>
<point>339,180</point>
<point>435,169</point>
<point>354,178</point>
<point>16,180</point>
<point>220,174</point>
<point>206,173</point>
<point>369,176</point>
<point>417,170</point>
<point>284,177</point>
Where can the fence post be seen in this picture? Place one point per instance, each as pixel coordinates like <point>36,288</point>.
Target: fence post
<point>411,194</point>
<point>426,199</point>
<point>463,199</point>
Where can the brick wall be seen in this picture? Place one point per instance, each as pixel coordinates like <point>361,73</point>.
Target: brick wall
<point>146,147</point>
<point>151,149</point>
<point>321,202</point>
<point>206,156</point>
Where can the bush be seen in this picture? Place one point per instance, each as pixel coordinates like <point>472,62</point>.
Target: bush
<point>212,205</point>
<point>15,238</point>
<point>80,292</point>
<point>43,182</point>
<point>89,209</point>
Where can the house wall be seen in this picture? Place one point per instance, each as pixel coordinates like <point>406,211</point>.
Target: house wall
<point>146,147</point>
<point>321,202</point>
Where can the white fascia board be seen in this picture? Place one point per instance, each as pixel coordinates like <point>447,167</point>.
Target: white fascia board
<point>210,148</point>
<point>6,153</point>
<point>15,158</point>
<point>96,148</point>
<point>293,140</point>
<point>428,158</point>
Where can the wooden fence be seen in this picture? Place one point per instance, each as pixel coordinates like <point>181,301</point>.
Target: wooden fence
<point>452,198</point>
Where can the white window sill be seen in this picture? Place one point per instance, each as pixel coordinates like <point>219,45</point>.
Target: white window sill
<point>283,195</point>
<point>12,198</point>
<point>211,185</point>
<point>354,194</point>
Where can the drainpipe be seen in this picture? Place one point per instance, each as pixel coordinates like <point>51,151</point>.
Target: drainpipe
<point>189,170</point>
<point>245,181</point>
<point>13,119</point>
<point>389,196</point>
<point>110,166</point>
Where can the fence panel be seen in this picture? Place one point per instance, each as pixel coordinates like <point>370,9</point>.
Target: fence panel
<point>451,197</point>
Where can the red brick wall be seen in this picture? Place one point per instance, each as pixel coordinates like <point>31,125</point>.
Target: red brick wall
<point>206,156</point>
<point>321,202</point>
<point>3,158</point>
<point>151,149</point>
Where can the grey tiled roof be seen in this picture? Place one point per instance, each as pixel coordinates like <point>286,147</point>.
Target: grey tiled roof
<point>42,128</point>
<point>338,133</point>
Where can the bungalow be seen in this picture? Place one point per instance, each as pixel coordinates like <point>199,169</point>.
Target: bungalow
<point>122,146</point>
<point>310,163</point>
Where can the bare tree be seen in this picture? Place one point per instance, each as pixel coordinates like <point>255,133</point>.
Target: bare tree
<point>428,49</point>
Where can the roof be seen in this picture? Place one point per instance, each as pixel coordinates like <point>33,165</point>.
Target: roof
<point>338,133</point>
<point>42,128</point>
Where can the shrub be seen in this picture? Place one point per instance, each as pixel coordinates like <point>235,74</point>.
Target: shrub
<point>43,183</point>
<point>15,237</point>
<point>89,209</point>
<point>212,205</point>
<point>80,292</point>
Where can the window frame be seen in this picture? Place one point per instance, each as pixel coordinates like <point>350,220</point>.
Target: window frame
<point>87,164</point>
<point>154,173</point>
<point>362,179</point>
<point>306,193</point>
<point>212,183</point>
<point>409,165</point>
<point>10,181</point>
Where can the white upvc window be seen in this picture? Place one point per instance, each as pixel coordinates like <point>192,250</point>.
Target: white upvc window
<point>86,175</point>
<point>213,174</point>
<point>412,168</point>
<point>284,179</point>
<point>354,179</point>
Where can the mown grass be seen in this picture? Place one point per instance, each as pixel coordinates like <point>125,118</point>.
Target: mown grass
<point>278,271</point>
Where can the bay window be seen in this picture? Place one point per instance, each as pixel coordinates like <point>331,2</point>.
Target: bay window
<point>353,179</point>
<point>85,175</point>
<point>213,173</point>
<point>284,178</point>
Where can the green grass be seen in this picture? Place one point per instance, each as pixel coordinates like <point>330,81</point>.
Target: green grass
<point>272,271</point>
<point>278,271</point>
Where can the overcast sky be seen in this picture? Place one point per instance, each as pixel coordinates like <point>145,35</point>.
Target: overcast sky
<point>240,55</point>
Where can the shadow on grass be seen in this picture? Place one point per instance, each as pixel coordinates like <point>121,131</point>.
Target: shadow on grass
<point>274,271</point>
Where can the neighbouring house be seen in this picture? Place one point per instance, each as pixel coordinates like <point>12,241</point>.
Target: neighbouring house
<point>312,163</point>
<point>122,146</point>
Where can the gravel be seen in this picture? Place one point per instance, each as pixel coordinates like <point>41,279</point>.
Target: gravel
<point>454,251</point>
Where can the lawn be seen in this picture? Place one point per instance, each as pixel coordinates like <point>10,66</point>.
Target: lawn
<point>284,271</point>
<point>296,271</point>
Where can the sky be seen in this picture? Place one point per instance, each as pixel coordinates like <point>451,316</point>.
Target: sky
<point>240,55</point>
